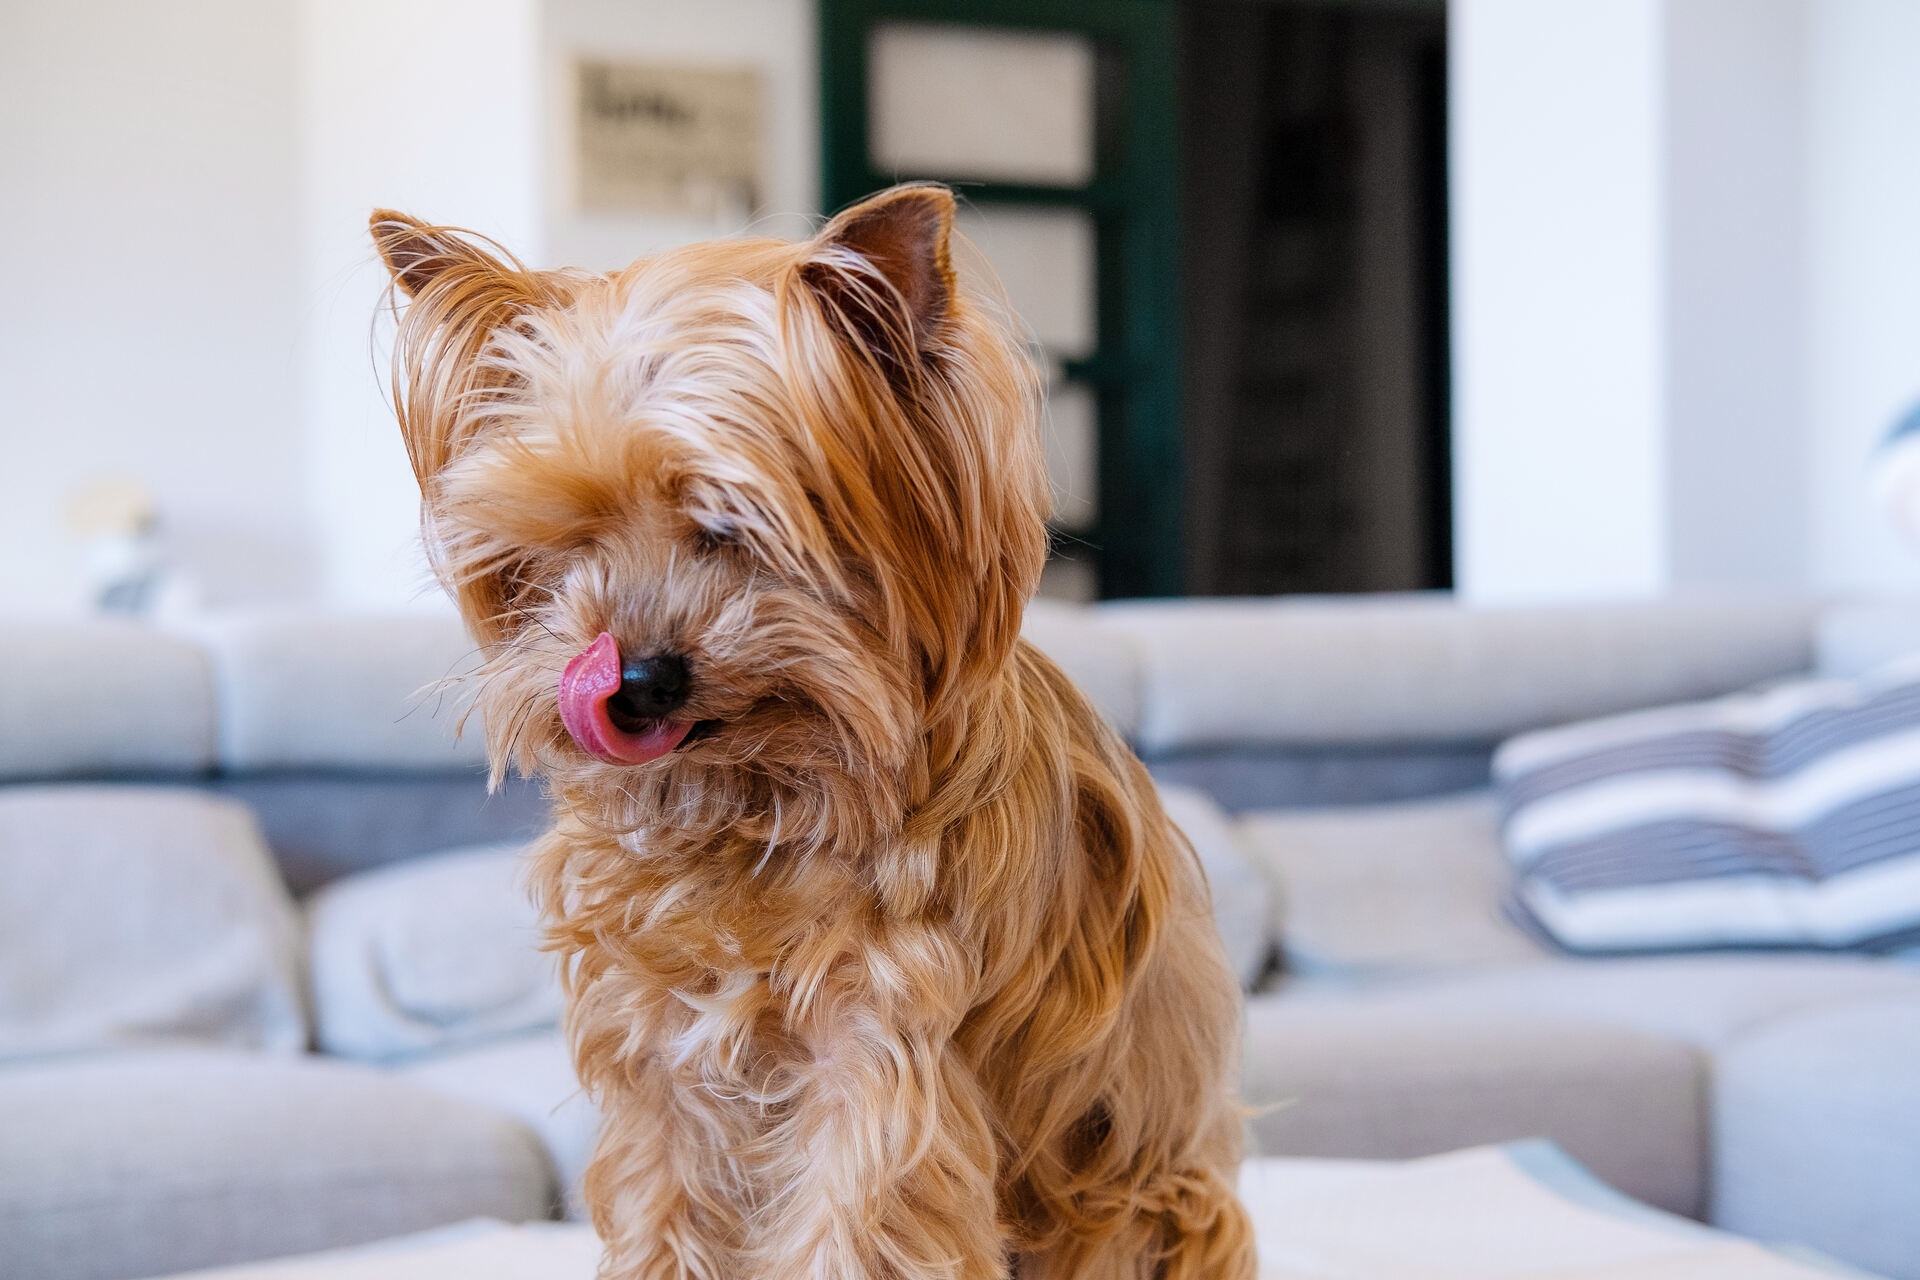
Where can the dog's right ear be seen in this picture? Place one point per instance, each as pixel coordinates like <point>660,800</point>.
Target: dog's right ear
<point>460,296</point>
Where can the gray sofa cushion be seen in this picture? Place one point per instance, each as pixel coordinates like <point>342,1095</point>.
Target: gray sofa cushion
<point>136,1164</point>
<point>530,1078</point>
<point>1241,895</point>
<point>1350,1079</point>
<point>1853,639</point>
<point>315,690</point>
<point>1817,1134</point>
<point>99,698</point>
<point>444,950</point>
<point>428,954</point>
<point>1703,1000</point>
<point>136,913</point>
<point>1473,1056</point>
<point>1389,889</point>
<point>1424,668</point>
<point>1100,660</point>
<point>1244,778</point>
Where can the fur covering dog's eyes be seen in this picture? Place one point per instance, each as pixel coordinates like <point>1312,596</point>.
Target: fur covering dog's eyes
<point>714,539</point>
<point>527,582</point>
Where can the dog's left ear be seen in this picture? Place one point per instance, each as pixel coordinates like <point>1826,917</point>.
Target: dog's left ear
<point>885,264</point>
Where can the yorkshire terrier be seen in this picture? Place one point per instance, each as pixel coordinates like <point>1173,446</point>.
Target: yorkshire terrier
<point>883,959</point>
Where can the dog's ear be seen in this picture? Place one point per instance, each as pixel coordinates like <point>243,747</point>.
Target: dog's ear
<point>460,296</point>
<point>885,265</point>
<point>417,254</point>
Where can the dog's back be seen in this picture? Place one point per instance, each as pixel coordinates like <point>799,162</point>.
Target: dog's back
<point>1111,1046</point>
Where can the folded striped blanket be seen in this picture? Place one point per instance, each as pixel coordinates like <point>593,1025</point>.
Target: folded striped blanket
<point>1785,817</point>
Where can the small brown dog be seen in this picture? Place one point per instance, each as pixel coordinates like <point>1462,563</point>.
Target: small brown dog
<point>883,959</point>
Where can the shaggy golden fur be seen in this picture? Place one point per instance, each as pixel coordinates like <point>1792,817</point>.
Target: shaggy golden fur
<point>895,969</point>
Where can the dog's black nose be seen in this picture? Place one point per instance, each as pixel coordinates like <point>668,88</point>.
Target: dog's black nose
<point>650,688</point>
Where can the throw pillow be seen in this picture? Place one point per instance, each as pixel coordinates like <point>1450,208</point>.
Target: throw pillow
<point>428,954</point>
<point>1783,817</point>
<point>1241,894</point>
<point>132,914</point>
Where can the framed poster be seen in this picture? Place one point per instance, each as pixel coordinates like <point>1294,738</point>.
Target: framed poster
<point>671,139</point>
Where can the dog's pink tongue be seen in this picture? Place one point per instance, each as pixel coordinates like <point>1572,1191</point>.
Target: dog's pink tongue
<point>589,680</point>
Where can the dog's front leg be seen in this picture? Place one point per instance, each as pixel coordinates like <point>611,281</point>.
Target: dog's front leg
<point>663,1202</point>
<point>885,1166</point>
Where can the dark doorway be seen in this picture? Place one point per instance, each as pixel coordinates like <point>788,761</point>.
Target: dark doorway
<point>1315,297</point>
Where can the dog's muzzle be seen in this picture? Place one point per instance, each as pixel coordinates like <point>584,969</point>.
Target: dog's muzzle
<point>619,712</point>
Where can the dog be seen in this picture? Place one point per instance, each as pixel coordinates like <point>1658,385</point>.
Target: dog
<point>882,958</point>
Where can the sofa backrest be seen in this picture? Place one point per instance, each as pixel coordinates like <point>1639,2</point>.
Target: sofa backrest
<point>101,699</point>
<point>1346,699</point>
<point>339,730</point>
<point>329,727</point>
<point>1332,671</point>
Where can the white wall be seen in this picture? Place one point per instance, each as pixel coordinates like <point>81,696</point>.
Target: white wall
<point>431,107</point>
<point>1560,467</point>
<point>1735,228</point>
<point>1863,299</point>
<point>149,301</point>
<point>1687,292</point>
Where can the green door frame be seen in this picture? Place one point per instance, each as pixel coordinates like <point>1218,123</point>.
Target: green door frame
<point>1133,201</point>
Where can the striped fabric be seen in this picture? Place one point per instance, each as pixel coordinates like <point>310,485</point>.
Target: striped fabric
<point>1788,817</point>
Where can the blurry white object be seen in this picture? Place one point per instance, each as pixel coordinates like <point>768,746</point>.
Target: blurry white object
<point>116,520</point>
<point>117,523</point>
<point>1522,1210</point>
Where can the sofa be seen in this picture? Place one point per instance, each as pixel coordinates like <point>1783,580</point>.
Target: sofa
<point>269,982</point>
